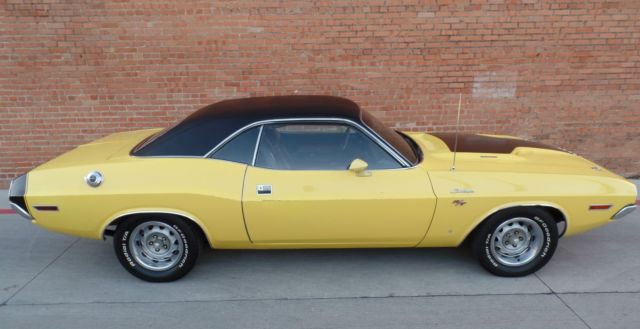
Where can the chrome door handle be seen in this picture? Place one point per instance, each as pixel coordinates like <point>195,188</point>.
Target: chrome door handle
<point>264,189</point>
<point>457,190</point>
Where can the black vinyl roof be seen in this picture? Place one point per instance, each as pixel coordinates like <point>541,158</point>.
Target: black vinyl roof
<point>263,108</point>
<point>208,126</point>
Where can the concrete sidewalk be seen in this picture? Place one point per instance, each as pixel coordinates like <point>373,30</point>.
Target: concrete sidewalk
<point>51,280</point>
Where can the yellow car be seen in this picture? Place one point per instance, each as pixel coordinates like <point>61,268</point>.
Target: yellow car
<point>316,172</point>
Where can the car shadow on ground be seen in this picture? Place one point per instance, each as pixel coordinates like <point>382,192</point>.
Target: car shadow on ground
<point>352,261</point>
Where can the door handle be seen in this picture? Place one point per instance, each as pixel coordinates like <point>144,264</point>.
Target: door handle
<point>264,189</point>
<point>457,190</point>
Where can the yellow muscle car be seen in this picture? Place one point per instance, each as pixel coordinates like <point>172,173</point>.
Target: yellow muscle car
<point>316,172</point>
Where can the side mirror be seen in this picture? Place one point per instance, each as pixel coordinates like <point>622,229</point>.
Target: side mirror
<point>359,167</point>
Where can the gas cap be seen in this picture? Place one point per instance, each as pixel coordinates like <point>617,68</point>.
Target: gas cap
<point>94,178</point>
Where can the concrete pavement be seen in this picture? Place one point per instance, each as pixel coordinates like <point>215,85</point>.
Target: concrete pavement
<point>47,279</point>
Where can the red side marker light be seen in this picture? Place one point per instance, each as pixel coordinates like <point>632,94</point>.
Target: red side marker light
<point>46,208</point>
<point>600,206</point>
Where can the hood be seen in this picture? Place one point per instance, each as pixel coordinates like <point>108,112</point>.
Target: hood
<point>487,143</point>
<point>492,153</point>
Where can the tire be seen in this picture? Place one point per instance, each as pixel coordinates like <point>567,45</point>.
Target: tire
<point>516,242</point>
<point>157,247</point>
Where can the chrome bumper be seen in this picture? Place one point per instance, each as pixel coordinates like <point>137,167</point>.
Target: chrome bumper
<point>624,211</point>
<point>17,190</point>
<point>20,211</point>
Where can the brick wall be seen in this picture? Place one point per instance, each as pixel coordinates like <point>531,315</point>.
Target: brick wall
<point>566,73</point>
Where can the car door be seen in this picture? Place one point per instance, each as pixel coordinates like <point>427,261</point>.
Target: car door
<point>299,192</point>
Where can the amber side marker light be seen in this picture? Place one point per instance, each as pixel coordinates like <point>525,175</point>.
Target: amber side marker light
<point>600,206</point>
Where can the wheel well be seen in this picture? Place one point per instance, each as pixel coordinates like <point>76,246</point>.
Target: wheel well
<point>556,214</point>
<point>110,229</point>
<point>559,217</point>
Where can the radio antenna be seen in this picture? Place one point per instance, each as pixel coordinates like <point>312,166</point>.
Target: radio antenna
<point>455,144</point>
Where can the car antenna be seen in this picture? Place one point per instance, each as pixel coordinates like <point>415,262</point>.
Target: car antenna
<point>455,144</point>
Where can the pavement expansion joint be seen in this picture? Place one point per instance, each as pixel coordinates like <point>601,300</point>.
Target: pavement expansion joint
<point>562,301</point>
<point>41,271</point>
<point>557,295</point>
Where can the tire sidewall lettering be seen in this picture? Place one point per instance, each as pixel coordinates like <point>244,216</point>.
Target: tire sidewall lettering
<point>487,250</point>
<point>185,243</point>
<point>547,237</point>
<point>125,248</point>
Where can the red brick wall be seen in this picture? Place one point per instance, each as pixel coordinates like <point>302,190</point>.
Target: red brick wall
<point>566,73</point>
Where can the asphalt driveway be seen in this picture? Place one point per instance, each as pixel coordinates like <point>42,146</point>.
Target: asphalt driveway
<point>55,281</point>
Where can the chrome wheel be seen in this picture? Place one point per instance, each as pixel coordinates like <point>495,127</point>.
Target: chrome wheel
<point>516,241</point>
<point>156,246</point>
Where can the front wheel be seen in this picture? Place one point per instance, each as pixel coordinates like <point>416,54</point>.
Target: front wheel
<point>157,248</point>
<point>516,242</point>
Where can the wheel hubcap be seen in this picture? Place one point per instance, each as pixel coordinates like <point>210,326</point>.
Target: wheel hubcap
<point>516,241</point>
<point>156,246</point>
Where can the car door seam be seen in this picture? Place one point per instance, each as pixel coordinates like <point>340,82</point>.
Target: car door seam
<point>244,220</point>
<point>435,207</point>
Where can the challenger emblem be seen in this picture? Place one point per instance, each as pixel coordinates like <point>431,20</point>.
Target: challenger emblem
<point>459,202</point>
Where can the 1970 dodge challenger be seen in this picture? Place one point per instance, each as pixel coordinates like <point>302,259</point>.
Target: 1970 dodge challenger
<point>316,172</point>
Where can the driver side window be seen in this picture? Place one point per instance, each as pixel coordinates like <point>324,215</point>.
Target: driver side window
<point>318,146</point>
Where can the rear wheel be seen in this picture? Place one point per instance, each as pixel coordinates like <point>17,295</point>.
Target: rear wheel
<point>157,248</point>
<point>516,242</point>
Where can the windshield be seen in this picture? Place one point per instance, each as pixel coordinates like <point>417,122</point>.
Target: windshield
<point>391,136</point>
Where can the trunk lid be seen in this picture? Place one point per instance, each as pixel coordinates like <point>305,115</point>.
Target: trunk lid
<point>100,150</point>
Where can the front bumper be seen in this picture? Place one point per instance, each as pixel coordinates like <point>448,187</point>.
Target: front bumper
<point>17,191</point>
<point>624,211</point>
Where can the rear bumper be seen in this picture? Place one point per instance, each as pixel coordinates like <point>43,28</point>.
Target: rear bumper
<point>624,211</point>
<point>16,196</point>
<point>20,211</point>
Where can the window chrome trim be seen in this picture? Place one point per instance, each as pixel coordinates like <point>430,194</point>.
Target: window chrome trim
<point>255,148</point>
<point>167,156</point>
<point>405,161</point>
<point>367,131</point>
<point>226,140</point>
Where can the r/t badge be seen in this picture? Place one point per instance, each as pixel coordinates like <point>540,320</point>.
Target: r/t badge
<point>459,202</point>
